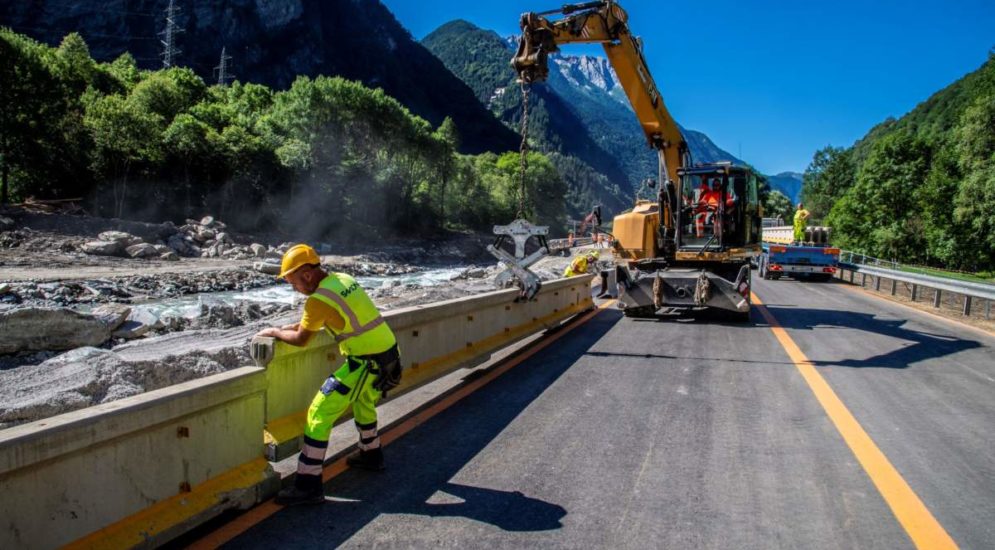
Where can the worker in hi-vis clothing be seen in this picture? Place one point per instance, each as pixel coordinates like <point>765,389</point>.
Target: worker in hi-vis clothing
<point>579,264</point>
<point>582,263</point>
<point>372,366</point>
<point>800,222</point>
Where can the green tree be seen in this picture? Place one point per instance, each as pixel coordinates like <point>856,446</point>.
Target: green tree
<point>447,136</point>
<point>124,135</point>
<point>827,178</point>
<point>879,214</point>
<point>778,205</point>
<point>975,199</point>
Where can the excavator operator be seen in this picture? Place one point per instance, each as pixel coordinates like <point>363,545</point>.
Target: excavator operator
<point>708,208</point>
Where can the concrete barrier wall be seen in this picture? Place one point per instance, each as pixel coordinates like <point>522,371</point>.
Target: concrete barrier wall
<point>434,339</point>
<point>176,448</point>
<point>142,470</point>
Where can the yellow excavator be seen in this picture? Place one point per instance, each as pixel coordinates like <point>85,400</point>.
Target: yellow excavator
<point>691,247</point>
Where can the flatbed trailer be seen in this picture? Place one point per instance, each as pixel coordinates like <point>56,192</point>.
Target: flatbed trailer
<point>815,262</point>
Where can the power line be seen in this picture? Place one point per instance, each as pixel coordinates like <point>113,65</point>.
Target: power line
<point>170,51</point>
<point>222,70</point>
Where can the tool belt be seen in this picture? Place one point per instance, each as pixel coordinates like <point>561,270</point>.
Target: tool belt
<point>386,366</point>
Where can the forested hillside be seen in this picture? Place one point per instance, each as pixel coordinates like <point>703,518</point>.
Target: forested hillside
<point>919,189</point>
<point>480,58</point>
<point>326,157</point>
<point>272,43</point>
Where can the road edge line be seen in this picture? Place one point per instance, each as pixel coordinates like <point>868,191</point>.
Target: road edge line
<point>913,515</point>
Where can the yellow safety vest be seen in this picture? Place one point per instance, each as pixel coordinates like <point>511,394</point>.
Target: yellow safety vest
<point>576,267</point>
<point>801,219</point>
<point>365,331</point>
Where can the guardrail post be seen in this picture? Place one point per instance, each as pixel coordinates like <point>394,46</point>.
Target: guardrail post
<point>967,306</point>
<point>915,291</point>
<point>988,310</point>
<point>852,273</point>
<point>936,298</point>
<point>863,279</point>
<point>894,286</point>
<point>877,282</point>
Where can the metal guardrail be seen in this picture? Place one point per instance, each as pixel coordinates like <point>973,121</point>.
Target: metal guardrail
<point>561,244</point>
<point>969,290</point>
<point>856,258</point>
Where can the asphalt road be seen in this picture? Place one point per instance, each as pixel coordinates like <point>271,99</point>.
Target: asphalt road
<point>689,433</point>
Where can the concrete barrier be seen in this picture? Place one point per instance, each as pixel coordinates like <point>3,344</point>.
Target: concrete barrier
<point>140,471</point>
<point>137,471</point>
<point>434,339</point>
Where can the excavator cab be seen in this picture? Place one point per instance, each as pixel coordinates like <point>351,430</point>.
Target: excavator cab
<point>718,207</point>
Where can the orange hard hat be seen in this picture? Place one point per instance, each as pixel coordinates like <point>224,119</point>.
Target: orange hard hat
<point>296,257</point>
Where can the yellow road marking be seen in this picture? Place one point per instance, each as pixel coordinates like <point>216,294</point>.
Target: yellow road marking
<point>910,511</point>
<point>252,517</point>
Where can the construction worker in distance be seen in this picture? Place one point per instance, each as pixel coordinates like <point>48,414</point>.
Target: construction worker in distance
<point>372,366</point>
<point>801,215</point>
<point>582,263</point>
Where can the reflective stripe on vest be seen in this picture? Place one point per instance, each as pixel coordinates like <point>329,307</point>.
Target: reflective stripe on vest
<point>365,331</point>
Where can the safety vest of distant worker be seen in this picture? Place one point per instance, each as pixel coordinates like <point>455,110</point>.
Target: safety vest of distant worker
<point>580,264</point>
<point>365,332</point>
<point>801,217</point>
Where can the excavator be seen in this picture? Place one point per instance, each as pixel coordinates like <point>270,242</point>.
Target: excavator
<point>691,247</point>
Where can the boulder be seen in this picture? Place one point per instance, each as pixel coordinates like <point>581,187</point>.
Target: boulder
<point>112,315</point>
<point>207,221</point>
<point>103,248</point>
<point>258,250</point>
<point>162,249</point>
<point>183,246</point>
<point>145,317</point>
<point>4,288</point>
<point>89,376</point>
<point>6,223</point>
<point>268,268</point>
<point>170,256</point>
<point>126,239</point>
<point>143,250</point>
<point>129,330</point>
<point>43,329</point>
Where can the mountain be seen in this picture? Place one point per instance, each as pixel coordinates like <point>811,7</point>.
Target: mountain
<point>481,58</point>
<point>272,43</point>
<point>580,112</point>
<point>789,183</point>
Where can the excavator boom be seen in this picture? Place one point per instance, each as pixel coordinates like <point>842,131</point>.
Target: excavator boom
<point>605,23</point>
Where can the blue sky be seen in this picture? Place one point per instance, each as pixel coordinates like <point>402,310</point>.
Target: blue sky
<point>773,81</point>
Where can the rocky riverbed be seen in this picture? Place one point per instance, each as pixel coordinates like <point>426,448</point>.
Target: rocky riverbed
<point>82,329</point>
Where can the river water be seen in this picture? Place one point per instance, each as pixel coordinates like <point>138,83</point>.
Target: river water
<point>190,306</point>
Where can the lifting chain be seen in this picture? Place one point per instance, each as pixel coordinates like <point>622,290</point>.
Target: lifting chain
<point>524,148</point>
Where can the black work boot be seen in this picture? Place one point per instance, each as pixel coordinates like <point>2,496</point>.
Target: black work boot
<point>305,490</point>
<point>371,460</point>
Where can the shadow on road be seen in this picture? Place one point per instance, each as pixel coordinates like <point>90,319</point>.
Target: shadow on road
<point>923,346</point>
<point>422,464</point>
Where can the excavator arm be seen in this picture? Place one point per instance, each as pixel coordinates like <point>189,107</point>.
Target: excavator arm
<point>605,22</point>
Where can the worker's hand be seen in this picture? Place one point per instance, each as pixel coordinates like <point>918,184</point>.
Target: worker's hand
<point>268,332</point>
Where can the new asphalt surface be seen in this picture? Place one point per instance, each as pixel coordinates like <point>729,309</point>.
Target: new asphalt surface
<point>689,433</point>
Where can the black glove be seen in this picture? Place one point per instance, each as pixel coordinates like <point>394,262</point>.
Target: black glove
<point>388,368</point>
<point>389,377</point>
